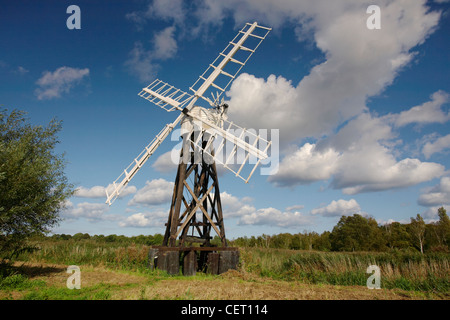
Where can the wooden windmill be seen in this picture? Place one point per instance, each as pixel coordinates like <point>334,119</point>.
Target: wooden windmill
<point>208,138</point>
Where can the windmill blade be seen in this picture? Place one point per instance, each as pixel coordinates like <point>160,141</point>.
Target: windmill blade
<point>229,147</point>
<point>165,96</point>
<point>139,161</point>
<point>228,134</point>
<point>221,73</point>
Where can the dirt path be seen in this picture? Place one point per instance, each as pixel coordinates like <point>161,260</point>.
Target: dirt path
<point>232,285</point>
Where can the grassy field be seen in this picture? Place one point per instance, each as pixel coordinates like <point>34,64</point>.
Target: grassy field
<point>118,271</point>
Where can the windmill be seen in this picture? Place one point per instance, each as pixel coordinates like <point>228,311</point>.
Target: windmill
<point>207,138</point>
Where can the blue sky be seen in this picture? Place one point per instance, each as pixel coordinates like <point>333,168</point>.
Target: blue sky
<point>363,115</point>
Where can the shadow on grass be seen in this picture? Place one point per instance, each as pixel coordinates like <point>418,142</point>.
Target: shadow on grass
<point>28,270</point>
<point>36,271</point>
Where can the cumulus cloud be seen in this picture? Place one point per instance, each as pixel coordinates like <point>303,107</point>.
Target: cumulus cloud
<point>295,207</point>
<point>93,212</point>
<point>429,112</point>
<point>233,206</point>
<point>359,64</point>
<point>165,45</point>
<point>21,70</point>
<point>306,165</point>
<point>100,191</point>
<point>368,163</point>
<point>154,192</point>
<point>248,214</point>
<point>430,215</point>
<point>165,163</point>
<point>439,145</point>
<point>143,62</point>
<point>62,80</point>
<point>275,217</point>
<point>354,150</point>
<point>438,195</point>
<point>168,10</point>
<point>338,208</point>
<point>358,158</point>
<point>145,220</point>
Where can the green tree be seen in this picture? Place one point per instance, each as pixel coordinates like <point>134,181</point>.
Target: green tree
<point>397,236</point>
<point>322,243</point>
<point>33,186</point>
<point>81,236</point>
<point>417,229</point>
<point>281,241</point>
<point>357,233</point>
<point>443,227</point>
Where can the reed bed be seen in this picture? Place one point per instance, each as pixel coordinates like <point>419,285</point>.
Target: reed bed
<point>87,252</point>
<point>403,270</point>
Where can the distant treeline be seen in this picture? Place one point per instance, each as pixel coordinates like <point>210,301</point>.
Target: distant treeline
<point>352,233</point>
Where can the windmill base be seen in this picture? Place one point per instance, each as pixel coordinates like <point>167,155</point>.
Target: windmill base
<point>212,260</point>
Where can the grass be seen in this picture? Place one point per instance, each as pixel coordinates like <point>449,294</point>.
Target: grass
<point>425,274</point>
<point>88,252</point>
<point>402,270</point>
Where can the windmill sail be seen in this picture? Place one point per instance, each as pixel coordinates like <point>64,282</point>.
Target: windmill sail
<point>165,96</point>
<point>217,76</point>
<point>224,69</point>
<point>133,168</point>
<point>232,147</point>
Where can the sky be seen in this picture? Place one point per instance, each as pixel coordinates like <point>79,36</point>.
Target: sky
<point>362,113</point>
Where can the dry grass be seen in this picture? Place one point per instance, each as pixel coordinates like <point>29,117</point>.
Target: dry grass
<point>232,285</point>
<point>263,274</point>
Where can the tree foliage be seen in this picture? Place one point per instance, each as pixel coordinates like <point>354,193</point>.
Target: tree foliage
<point>443,227</point>
<point>358,233</point>
<point>417,229</point>
<point>33,186</point>
<point>352,233</point>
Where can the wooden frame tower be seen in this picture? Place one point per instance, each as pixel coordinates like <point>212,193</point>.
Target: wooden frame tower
<point>196,190</point>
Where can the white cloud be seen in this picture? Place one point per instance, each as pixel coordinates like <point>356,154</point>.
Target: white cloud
<point>438,195</point>
<point>143,62</point>
<point>275,217</point>
<point>359,63</point>
<point>165,45</point>
<point>100,191</point>
<point>92,211</point>
<point>430,215</point>
<point>169,10</point>
<point>437,146</point>
<point>140,63</point>
<point>154,192</point>
<point>21,70</point>
<point>360,157</point>
<point>338,208</point>
<point>363,155</point>
<point>306,165</point>
<point>164,163</point>
<point>368,163</point>
<point>146,220</point>
<point>405,173</point>
<point>243,208</point>
<point>54,84</point>
<point>429,112</point>
<point>295,207</point>
<point>233,206</point>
